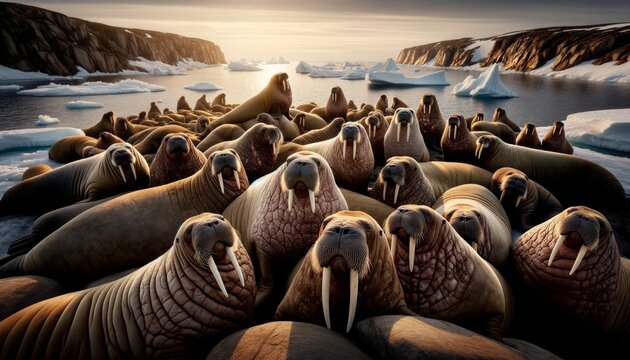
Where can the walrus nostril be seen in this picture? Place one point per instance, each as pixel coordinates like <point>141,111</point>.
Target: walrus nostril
<point>402,211</point>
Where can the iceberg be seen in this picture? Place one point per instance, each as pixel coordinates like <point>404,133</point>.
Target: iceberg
<point>203,86</point>
<point>29,138</point>
<point>303,68</point>
<point>354,75</point>
<point>487,85</point>
<point>127,86</point>
<point>390,65</point>
<point>80,104</point>
<point>7,73</point>
<point>437,78</point>
<point>43,120</point>
<point>7,88</point>
<point>237,66</point>
<point>326,73</point>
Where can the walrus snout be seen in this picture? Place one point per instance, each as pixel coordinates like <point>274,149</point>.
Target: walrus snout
<point>404,116</point>
<point>373,120</point>
<point>177,145</point>
<point>301,177</point>
<point>511,183</point>
<point>226,163</point>
<point>453,123</point>
<point>466,223</point>
<point>484,142</point>
<point>558,127</point>
<point>406,225</point>
<point>273,136</point>
<point>282,79</point>
<point>529,129</point>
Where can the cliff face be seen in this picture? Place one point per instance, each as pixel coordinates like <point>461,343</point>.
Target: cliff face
<point>34,39</point>
<point>531,49</point>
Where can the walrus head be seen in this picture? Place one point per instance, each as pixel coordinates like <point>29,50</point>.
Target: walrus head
<point>498,114</point>
<point>381,104</point>
<point>300,121</point>
<point>219,100</point>
<point>530,129</point>
<point>337,105</point>
<point>177,145</point>
<point>375,121</point>
<point>227,167</point>
<point>280,94</point>
<point>486,142</point>
<point>401,179</point>
<point>301,177</point>
<point>510,185</point>
<point>397,103</point>
<point>557,129</point>
<point>572,259</point>
<point>208,239</point>
<point>454,122</point>
<point>468,222</point>
<point>404,117</point>
<point>350,136</point>
<point>426,104</point>
<point>352,105</point>
<point>105,139</point>
<point>202,124</point>
<point>122,157</point>
<point>264,118</point>
<point>478,117</point>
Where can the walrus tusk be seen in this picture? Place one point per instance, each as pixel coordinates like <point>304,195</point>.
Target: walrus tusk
<point>578,259</point>
<point>430,108</point>
<point>326,295</point>
<point>373,131</point>
<point>396,193</point>
<point>555,249</point>
<point>369,130</point>
<point>474,245</point>
<point>220,176</point>
<point>518,200</point>
<point>122,173</point>
<point>454,132</point>
<point>238,180</point>
<point>384,190</point>
<point>133,171</point>
<point>408,131</point>
<point>393,246</point>
<point>217,276</point>
<point>424,109</point>
<point>354,292</point>
<point>412,252</point>
<point>354,149</point>
<point>290,201</point>
<point>502,195</point>
<point>311,198</point>
<point>398,132</point>
<point>345,142</point>
<point>235,264</point>
<point>480,149</point>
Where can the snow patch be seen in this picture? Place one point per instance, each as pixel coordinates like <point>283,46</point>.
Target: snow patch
<point>43,120</point>
<point>483,49</point>
<point>148,36</point>
<point>437,78</point>
<point>156,68</point>
<point>487,85</point>
<point>7,73</point>
<point>29,138</point>
<point>80,104</point>
<point>127,86</point>
<point>237,66</point>
<point>607,72</point>
<point>203,86</point>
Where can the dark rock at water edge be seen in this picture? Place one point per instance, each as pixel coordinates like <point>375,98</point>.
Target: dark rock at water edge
<point>35,39</point>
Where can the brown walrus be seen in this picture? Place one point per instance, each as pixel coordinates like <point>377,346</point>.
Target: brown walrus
<point>307,107</point>
<point>478,217</point>
<point>337,106</point>
<point>120,168</point>
<point>473,119</point>
<point>152,141</point>
<point>431,122</point>
<point>219,100</point>
<point>154,111</point>
<point>349,155</point>
<point>124,129</point>
<point>274,99</point>
<point>352,105</point>
<point>306,121</point>
<point>442,276</point>
<point>403,137</point>
<point>397,103</point>
<point>258,148</point>
<point>202,104</point>
<point>330,131</point>
<point>381,103</point>
<point>498,129</point>
<point>279,216</point>
<point>356,115</point>
<point>501,116</point>
<point>526,202</point>
<point>225,132</point>
<point>575,296</point>
<point>199,291</point>
<point>405,181</point>
<point>288,128</point>
<point>201,124</point>
<point>376,127</point>
<point>20,292</point>
<point>35,170</point>
<point>177,158</point>
<point>458,143</point>
<point>556,141</point>
<point>351,250</point>
<point>571,179</point>
<point>105,124</point>
<point>97,235</point>
<point>182,104</point>
<point>71,148</point>
<point>528,137</point>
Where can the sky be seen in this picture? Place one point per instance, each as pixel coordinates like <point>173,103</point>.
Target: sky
<point>337,30</point>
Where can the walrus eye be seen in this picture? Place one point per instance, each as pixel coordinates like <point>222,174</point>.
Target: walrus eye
<point>367,226</point>
<point>177,240</point>
<point>443,221</point>
<point>316,161</point>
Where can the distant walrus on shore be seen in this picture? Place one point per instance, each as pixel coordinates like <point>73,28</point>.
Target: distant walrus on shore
<point>528,137</point>
<point>337,106</point>
<point>556,141</point>
<point>105,124</point>
<point>177,158</point>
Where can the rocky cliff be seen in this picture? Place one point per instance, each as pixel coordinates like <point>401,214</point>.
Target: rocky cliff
<point>35,39</point>
<point>530,49</point>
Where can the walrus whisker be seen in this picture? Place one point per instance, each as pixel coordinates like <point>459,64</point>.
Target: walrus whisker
<point>311,198</point>
<point>238,181</point>
<point>412,252</point>
<point>354,291</point>
<point>393,246</point>
<point>235,264</point>
<point>217,276</point>
<point>122,173</point>
<point>326,295</point>
<point>555,249</point>
<point>220,176</point>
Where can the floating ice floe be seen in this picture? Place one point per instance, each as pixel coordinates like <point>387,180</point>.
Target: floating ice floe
<point>606,129</point>
<point>237,66</point>
<point>82,73</point>
<point>7,88</point>
<point>354,75</point>
<point>7,73</point>
<point>80,104</point>
<point>43,120</point>
<point>29,138</point>
<point>326,73</point>
<point>303,68</point>
<point>203,86</point>
<point>280,60</point>
<point>487,85</point>
<point>127,86</point>
<point>156,68</point>
<point>437,78</point>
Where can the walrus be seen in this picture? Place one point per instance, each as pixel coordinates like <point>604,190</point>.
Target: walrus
<point>478,217</point>
<point>556,141</point>
<point>124,129</point>
<point>431,122</point>
<point>275,98</point>
<point>337,106</point>
<point>442,276</point>
<point>397,103</point>
<point>137,119</point>
<point>347,274</point>
<point>35,170</point>
<point>120,168</point>
<point>151,142</point>
<point>182,104</point>
<point>307,121</point>
<point>352,105</point>
<point>177,158</point>
<point>458,143</point>
<point>219,100</point>
<point>97,235</point>
<point>71,148</point>
<point>405,181</point>
<point>497,129</point>
<point>105,124</point>
<point>289,129</point>
<point>528,137</point>
<point>349,155</point>
<point>501,116</point>
<point>154,111</point>
<point>22,291</point>
<point>258,148</point>
<point>473,119</point>
<point>403,137</point>
<point>202,104</point>
<point>356,115</point>
<point>575,286</point>
<point>307,107</point>
<point>381,103</point>
<point>291,340</point>
<point>376,127</point>
<point>571,179</point>
<point>201,124</point>
<point>279,216</point>
<point>526,202</point>
<point>225,132</point>
<point>179,305</point>
<point>330,131</point>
